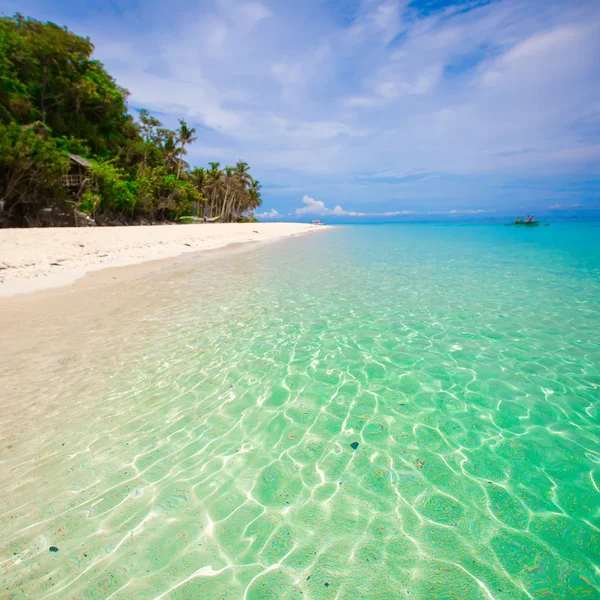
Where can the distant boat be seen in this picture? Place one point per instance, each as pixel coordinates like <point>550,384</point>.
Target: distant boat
<point>528,223</point>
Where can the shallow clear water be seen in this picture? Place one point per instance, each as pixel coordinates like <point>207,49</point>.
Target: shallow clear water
<point>189,434</point>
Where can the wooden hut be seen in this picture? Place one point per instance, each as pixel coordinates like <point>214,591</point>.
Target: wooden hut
<point>78,175</point>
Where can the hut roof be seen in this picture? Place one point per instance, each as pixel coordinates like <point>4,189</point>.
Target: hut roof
<point>80,160</point>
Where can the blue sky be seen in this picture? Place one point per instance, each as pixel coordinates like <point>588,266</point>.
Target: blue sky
<point>350,109</point>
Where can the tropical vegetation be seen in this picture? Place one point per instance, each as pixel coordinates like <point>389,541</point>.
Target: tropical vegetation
<point>60,109</point>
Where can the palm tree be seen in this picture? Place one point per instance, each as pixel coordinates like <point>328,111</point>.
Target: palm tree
<point>170,151</point>
<point>254,197</point>
<point>185,137</point>
<point>214,185</point>
<point>244,179</point>
<point>230,181</point>
<point>199,179</point>
<point>242,170</point>
<point>230,192</point>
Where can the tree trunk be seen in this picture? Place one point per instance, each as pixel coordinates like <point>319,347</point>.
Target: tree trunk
<point>225,202</point>
<point>229,209</point>
<point>43,94</point>
<point>212,201</point>
<point>233,206</point>
<point>180,160</point>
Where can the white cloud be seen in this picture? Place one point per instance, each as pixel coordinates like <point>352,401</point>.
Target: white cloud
<point>295,74</point>
<point>317,208</point>
<point>378,22</point>
<point>252,12</point>
<point>477,93</point>
<point>312,207</point>
<point>386,19</point>
<point>460,212</point>
<point>558,206</point>
<point>269,214</point>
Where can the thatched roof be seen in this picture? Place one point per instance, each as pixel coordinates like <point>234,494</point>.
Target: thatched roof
<point>80,160</point>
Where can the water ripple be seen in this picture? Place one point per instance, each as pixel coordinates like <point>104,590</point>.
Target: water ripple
<point>277,424</point>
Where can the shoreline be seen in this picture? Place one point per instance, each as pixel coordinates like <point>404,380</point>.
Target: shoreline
<point>43,259</point>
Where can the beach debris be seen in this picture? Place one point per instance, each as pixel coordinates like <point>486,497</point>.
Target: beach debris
<point>420,463</point>
<point>53,549</point>
<point>186,244</point>
<point>354,445</point>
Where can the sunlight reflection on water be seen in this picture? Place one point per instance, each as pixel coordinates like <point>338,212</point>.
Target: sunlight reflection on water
<point>193,433</point>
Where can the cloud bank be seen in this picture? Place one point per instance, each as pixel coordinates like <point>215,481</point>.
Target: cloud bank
<point>388,104</point>
<point>317,208</point>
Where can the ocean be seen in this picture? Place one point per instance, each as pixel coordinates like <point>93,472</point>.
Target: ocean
<point>375,411</point>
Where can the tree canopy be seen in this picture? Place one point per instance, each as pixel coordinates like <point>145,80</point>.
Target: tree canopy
<point>57,101</point>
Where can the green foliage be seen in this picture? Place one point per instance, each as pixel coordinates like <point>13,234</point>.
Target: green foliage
<point>31,165</point>
<point>115,191</point>
<point>91,202</point>
<point>176,196</point>
<point>48,75</point>
<point>56,100</point>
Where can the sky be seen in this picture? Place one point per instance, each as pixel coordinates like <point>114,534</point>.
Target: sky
<point>369,109</point>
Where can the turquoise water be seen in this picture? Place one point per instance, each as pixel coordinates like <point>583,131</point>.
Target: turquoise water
<point>192,435</point>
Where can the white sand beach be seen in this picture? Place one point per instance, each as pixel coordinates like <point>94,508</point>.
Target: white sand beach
<point>37,259</point>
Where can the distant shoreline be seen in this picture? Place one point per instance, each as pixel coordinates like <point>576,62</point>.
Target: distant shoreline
<point>39,259</point>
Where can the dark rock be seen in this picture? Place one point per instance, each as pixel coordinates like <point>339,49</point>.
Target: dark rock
<point>354,445</point>
<point>53,549</point>
<point>83,220</point>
